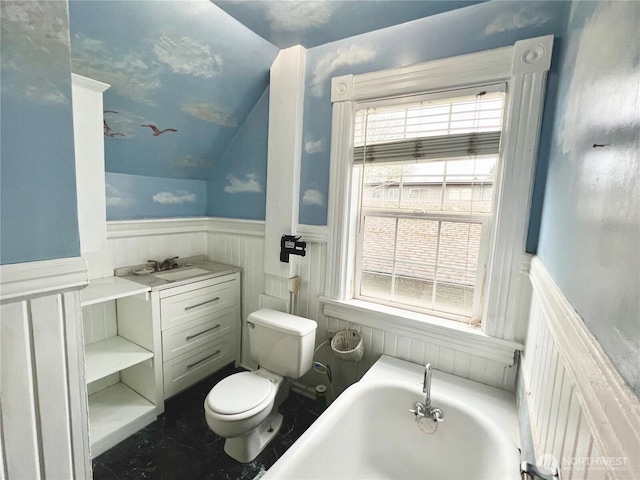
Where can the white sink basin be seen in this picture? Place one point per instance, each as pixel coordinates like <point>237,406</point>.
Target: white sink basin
<point>182,274</point>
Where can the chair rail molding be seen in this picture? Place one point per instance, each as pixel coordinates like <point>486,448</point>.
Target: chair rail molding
<point>31,279</point>
<point>168,226</point>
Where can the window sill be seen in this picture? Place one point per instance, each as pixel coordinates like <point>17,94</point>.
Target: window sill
<point>428,328</point>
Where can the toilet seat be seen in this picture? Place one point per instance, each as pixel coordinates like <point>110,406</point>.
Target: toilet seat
<point>240,395</point>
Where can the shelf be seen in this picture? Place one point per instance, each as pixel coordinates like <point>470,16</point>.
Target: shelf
<point>112,355</point>
<point>114,414</point>
<point>110,288</point>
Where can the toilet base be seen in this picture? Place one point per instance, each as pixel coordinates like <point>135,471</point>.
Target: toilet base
<point>247,447</point>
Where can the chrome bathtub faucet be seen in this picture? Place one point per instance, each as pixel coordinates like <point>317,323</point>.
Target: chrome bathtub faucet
<point>421,410</point>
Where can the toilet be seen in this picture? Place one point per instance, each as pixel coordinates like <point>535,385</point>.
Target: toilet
<point>243,408</point>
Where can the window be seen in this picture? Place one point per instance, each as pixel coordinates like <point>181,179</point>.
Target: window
<point>522,68</point>
<point>426,253</point>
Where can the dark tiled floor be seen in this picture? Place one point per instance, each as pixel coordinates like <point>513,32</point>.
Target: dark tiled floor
<point>180,445</point>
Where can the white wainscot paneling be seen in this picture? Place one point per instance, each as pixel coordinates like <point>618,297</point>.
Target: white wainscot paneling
<point>580,409</point>
<point>241,243</point>
<point>415,349</point>
<point>420,349</point>
<point>42,389</point>
<point>133,242</point>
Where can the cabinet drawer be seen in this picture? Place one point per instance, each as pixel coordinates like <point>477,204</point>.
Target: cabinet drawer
<point>185,370</point>
<point>187,306</point>
<point>183,338</point>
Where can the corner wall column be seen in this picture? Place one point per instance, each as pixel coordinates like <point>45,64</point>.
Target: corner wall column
<point>286,104</point>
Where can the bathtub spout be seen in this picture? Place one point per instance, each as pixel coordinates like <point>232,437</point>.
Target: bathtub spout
<point>426,386</point>
<point>421,410</point>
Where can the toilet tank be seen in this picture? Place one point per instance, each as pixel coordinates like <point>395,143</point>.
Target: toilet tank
<point>280,342</point>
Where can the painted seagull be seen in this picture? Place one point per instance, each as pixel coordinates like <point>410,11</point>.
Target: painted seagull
<point>157,132</point>
<point>110,133</point>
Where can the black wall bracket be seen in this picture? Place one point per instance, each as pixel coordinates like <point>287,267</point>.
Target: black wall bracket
<point>291,245</point>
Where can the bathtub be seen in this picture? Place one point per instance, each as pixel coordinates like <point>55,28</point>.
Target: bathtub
<point>369,433</point>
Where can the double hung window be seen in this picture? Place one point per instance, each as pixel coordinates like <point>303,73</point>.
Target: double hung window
<point>426,168</point>
<point>456,140</point>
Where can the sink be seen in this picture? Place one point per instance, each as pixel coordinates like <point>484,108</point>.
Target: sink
<point>182,274</point>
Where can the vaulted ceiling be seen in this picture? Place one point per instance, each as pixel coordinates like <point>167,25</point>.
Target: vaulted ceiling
<point>185,75</point>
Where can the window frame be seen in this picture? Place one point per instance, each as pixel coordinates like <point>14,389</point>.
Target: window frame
<point>523,66</point>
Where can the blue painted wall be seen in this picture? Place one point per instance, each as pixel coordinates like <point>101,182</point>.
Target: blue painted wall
<point>590,233</point>
<point>479,27</point>
<point>38,214</point>
<point>135,196</point>
<point>185,66</point>
<point>237,186</point>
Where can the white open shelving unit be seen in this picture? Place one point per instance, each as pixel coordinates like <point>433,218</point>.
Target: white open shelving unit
<point>122,408</point>
<point>112,355</point>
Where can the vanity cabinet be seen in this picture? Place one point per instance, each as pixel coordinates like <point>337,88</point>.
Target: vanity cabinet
<point>122,368</point>
<point>200,325</point>
<point>146,342</point>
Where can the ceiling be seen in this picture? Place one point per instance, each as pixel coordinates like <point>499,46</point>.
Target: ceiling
<point>195,70</point>
<point>310,23</point>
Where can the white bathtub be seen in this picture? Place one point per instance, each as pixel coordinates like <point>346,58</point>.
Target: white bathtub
<point>369,433</point>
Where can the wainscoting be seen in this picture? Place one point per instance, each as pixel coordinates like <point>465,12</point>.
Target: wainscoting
<point>241,243</point>
<point>582,414</point>
<point>43,409</point>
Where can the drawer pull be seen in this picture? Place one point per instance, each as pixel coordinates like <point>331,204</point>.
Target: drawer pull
<point>217,352</point>
<point>204,331</point>
<point>189,307</point>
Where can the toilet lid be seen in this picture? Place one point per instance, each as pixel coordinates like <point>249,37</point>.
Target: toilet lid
<point>238,393</point>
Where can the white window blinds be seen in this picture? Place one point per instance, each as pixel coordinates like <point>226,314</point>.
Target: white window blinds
<point>463,125</point>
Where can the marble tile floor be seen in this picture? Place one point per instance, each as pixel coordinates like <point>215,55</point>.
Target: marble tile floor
<point>180,445</point>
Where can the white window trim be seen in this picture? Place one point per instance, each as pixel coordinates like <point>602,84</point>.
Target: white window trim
<point>524,67</point>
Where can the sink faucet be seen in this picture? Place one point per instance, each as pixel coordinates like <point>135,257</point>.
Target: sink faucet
<point>155,264</point>
<point>166,264</point>
<point>169,263</point>
<point>421,410</point>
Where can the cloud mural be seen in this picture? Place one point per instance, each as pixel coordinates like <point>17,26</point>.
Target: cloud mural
<point>34,36</point>
<point>137,76</point>
<point>127,73</point>
<point>168,66</point>
<point>115,198</point>
<point>313,197</point>
<point>527,17</point>
<point>210,113</point>
<point>136,196</point>
<point>311,145</point>
<point>191,161</point>
<point>294,16</point>
<point>186,56</point>
<point>332,61</point>
<point>179,196</point>
<point>247,185</point>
